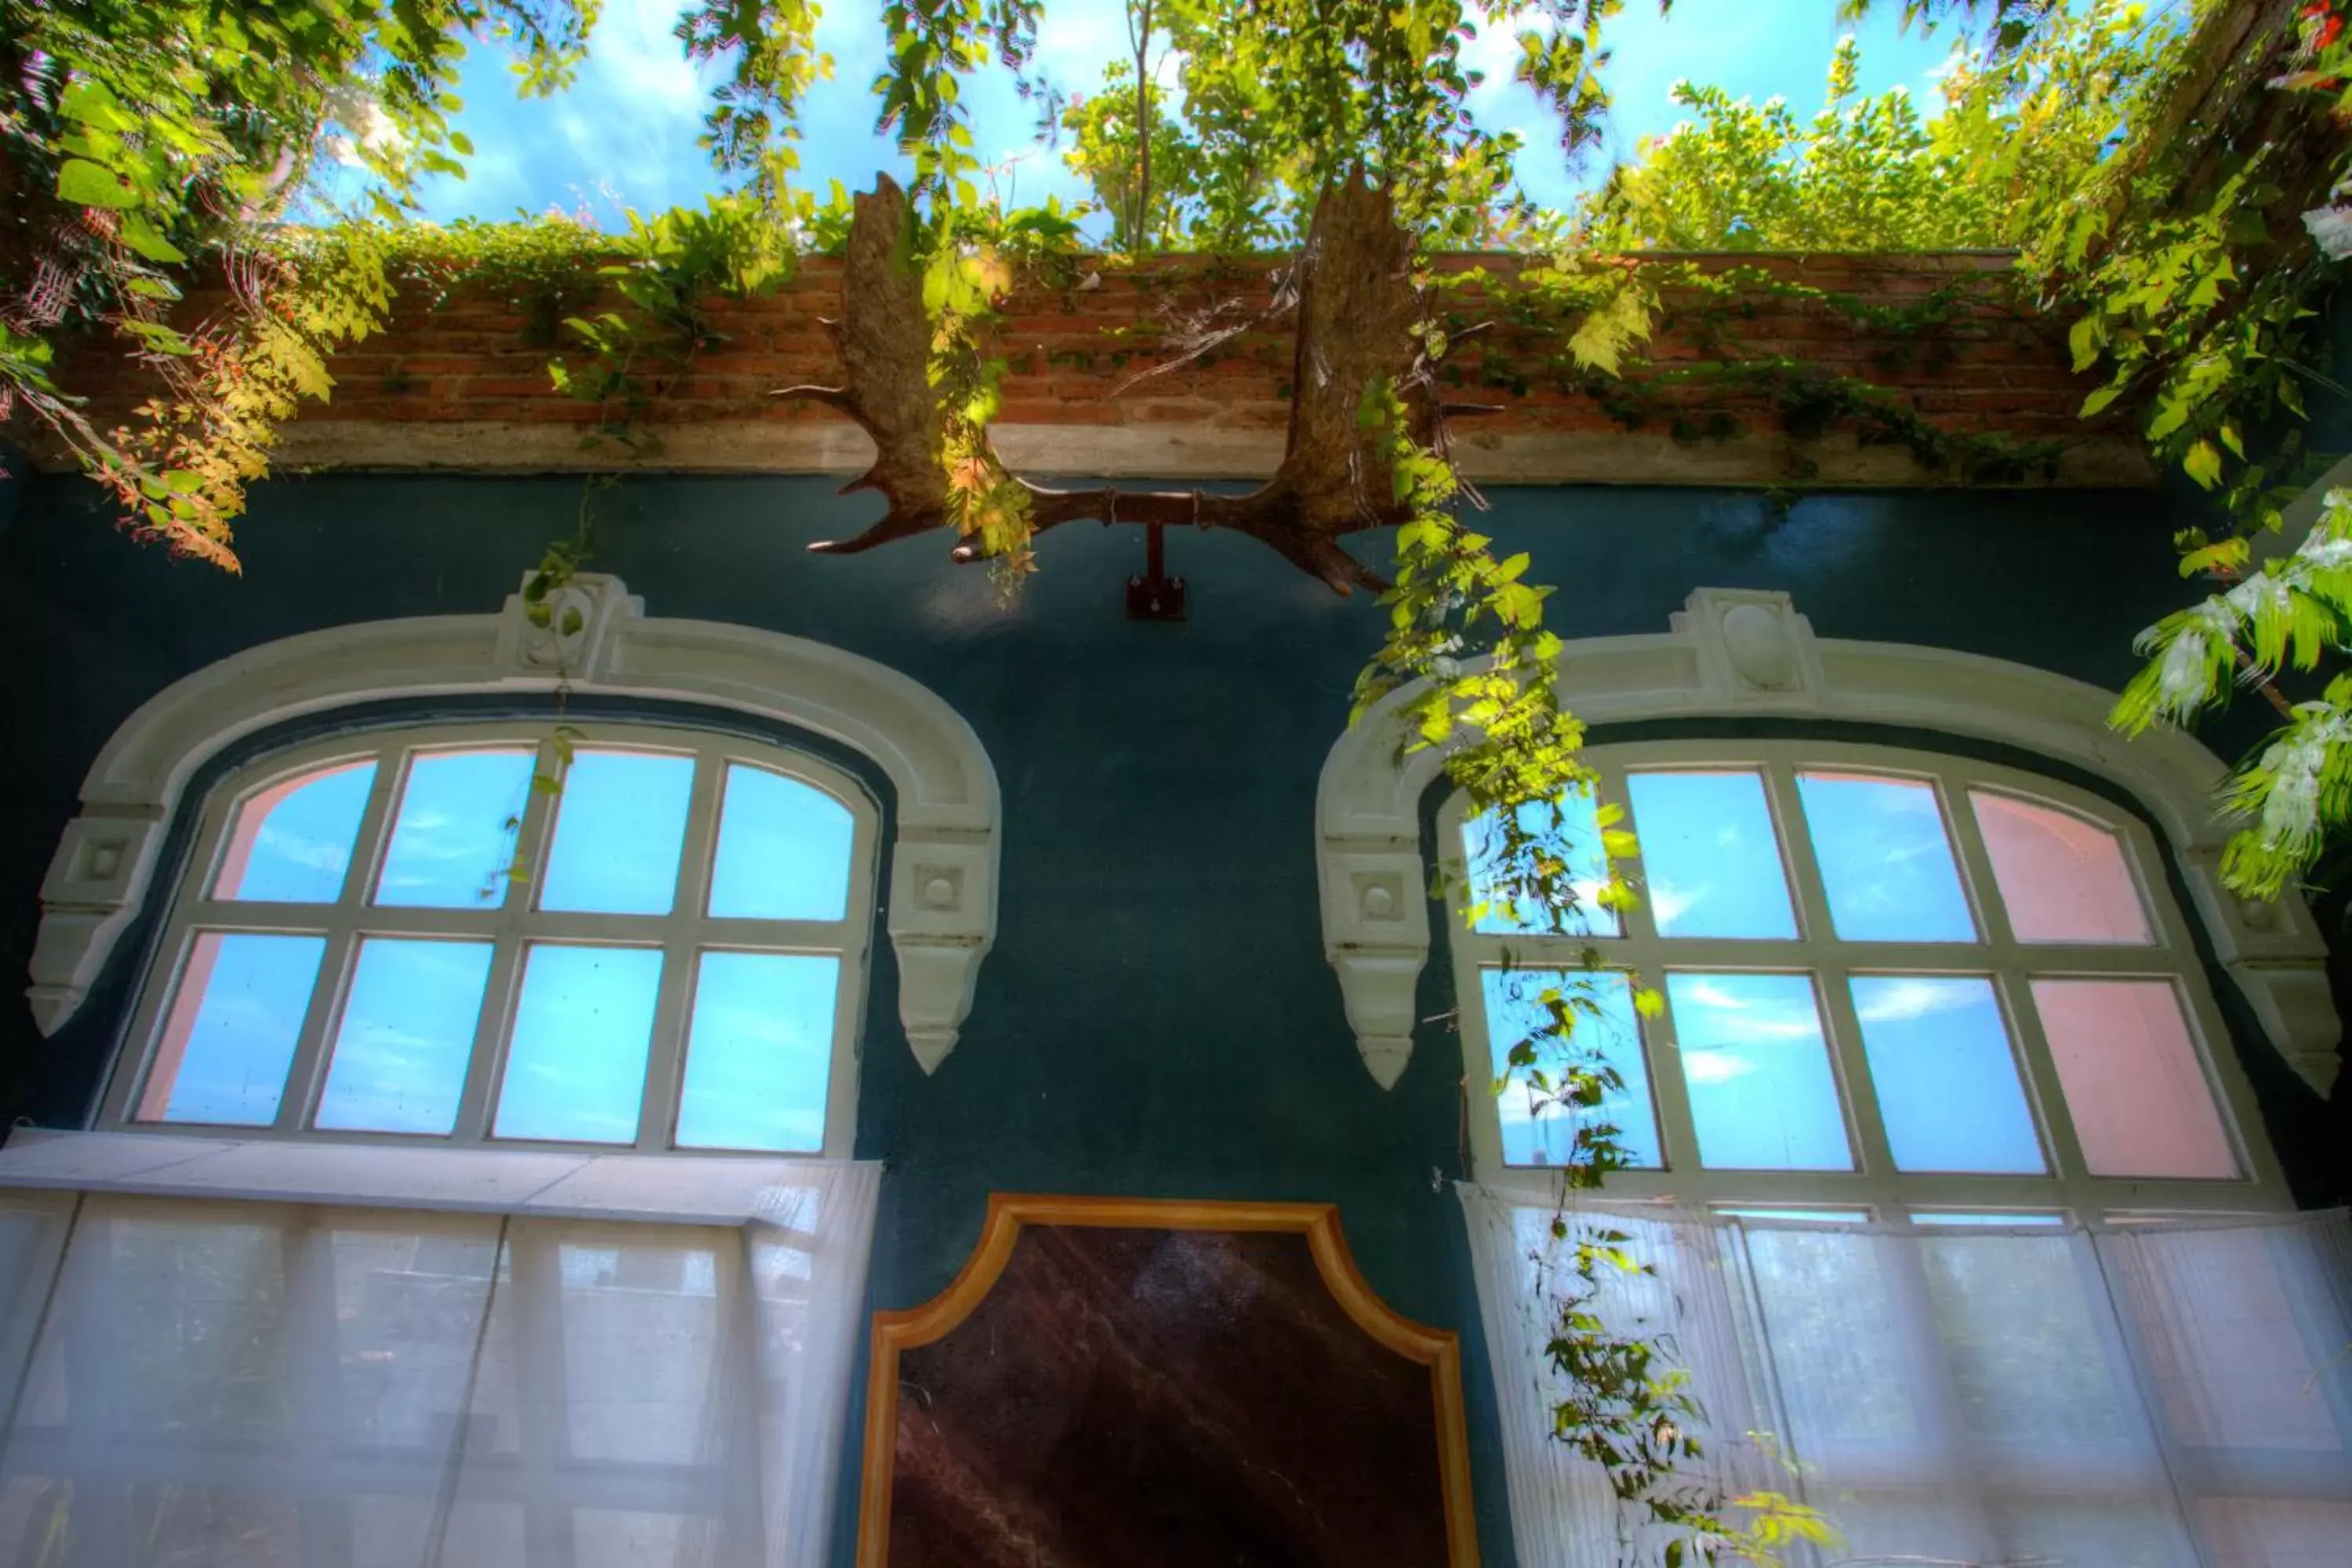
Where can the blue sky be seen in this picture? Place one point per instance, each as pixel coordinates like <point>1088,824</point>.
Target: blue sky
<point>624,136</point>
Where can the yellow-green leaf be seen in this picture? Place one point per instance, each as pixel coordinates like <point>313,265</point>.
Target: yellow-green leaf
<point>84,183</point>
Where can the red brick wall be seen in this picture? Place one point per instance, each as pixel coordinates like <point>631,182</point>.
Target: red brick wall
<point>1074,354</point>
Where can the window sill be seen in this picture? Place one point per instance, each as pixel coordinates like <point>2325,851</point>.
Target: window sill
<point>667,1189</point>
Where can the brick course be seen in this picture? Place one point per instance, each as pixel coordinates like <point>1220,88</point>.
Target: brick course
<point>1074,356</point>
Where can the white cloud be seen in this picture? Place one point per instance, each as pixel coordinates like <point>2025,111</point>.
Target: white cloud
<point>1669,903</point>
<point>1714,1066</point>
<point>1898,1001</point>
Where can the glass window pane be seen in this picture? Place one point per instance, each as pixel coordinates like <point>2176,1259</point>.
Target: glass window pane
<point>2134,1085</point>
<point>1947,1080</point>
<point>453,840</point>
<point>1886,860</point>
<point>1709,855</point>
<point>783,849</point>
<point>1535,1130</point>
<point>407,1034</point>
<point>291,843</point>
<point>618,829</point>
<point>231,1031</point>
<point>761,1052</point>
<point>1763,1096</point>
<point>2039,1217</point>
<point>1569,827</point>
<point>576,1063</point>
<point>2061,878</point>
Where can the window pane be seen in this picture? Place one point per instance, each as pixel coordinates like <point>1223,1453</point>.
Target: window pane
<point>1709,854</point>
<point>454,838</point>
<point>406,1035</point>
<point>1544,1135</point>
<point>2134,1087</point>
<point>576,1063</point>
<point>1762,1092</point>
<point>618,829</point>
<point>1885,861</point>
<point>291,843</point>
<point>761,1052</point>
<point>1953,1216</point>
<point>1571,828</point>
<point>2061,878</point>
<point>230,1034</point>
<point>1947,1080</point>
<point>783,849</point>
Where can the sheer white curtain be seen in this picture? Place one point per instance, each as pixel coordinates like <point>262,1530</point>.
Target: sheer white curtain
<point>2157,1397</point>
<point>204,1380</point>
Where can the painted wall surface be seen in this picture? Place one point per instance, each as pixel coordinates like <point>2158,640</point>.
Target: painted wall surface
<point>1157,1018</point>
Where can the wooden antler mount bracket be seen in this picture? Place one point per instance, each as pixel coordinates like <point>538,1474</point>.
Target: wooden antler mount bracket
<point>1360,317</point>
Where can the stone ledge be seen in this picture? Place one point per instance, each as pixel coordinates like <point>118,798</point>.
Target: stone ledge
<point>1163,451</point>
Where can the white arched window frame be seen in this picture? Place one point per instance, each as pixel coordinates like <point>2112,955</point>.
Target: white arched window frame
<point>1737,654</point>
<point>494,925</point>
<point>940,901</point>
<point>1813,972</point>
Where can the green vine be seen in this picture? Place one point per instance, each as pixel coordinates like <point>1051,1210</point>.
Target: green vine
<point>2157,204</point>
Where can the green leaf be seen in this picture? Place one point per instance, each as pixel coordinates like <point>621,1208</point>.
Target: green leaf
<point>144,238</point>
<point>91,102</point>
<point>2084,339</point>
<point>84,183</point>
<point>2203,463</point>
<point>156,336</point>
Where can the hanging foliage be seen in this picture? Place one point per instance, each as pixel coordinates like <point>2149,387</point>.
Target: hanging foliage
<point>2168,182</point>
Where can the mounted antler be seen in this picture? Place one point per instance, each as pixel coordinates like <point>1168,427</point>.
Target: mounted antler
<point>1359,318</point>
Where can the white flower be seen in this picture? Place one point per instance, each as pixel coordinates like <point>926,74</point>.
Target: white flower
<point>369,129</point>
<point>2331,230</point>
<point>2182,678</point>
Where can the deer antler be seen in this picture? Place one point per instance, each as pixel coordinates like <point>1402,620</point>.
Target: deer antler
<point>1360,317</point>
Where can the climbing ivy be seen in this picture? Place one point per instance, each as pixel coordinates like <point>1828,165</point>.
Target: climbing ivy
<point>153,141</point>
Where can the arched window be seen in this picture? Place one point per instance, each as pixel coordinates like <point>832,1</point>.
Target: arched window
<point>1896,985</point>
<point>514,933</point>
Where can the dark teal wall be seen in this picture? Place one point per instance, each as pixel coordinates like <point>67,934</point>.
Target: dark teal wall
<point>1157,1017</point>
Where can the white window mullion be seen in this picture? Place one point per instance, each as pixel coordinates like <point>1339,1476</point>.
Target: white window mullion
<point>681,946</point>
<point>307,1071</point>
<point>375,836</point>
<point>1866,1132</point>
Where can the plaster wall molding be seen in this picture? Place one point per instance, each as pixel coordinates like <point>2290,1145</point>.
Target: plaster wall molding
<point>941,900</point>
<point>1167,449</point>
<point>1740,654</point>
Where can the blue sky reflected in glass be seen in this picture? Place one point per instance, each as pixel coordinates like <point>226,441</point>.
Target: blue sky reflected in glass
<point>1574,831</point>
<point>1762,1095</point>
<point>576,1064</point>
<point>233,1028</point>
<point>407,1032</point>
<point>1545,1135</point>
<point>1709,857</point>
<point>1948,1087</point>
<point>1885,861</point>
<point>761,1052</point>
<point>292,842</point>
<point>451,844</point>
<point>618,829</point>
<point>783,849</point>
